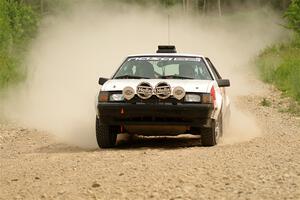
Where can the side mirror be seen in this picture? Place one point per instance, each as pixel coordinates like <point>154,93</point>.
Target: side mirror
<point>223,82</point>
<point>102,80</point>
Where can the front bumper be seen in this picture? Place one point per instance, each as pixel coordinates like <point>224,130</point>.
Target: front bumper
<point>193,115</point>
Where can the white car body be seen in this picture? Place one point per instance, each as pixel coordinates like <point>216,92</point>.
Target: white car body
<point>202,86</point>
<point>189,99</point>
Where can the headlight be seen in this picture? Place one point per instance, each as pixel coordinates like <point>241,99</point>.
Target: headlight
<point>116,97</point>
<point>192,98</point>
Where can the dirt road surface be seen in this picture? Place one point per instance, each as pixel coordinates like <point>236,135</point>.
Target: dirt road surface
<point>35,166</point>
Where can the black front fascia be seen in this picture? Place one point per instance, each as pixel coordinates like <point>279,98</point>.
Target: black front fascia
<point>124,113</point>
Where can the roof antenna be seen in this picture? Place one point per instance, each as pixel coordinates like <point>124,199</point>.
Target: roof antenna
<point>168,29</point>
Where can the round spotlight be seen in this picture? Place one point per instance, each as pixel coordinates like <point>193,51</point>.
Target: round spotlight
<point>162,90</point>
<point>128,93</point>
<point>178,92</point>
<point>144,90</point>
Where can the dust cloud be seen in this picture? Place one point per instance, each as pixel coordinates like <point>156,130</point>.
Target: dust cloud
<point>90,40</point>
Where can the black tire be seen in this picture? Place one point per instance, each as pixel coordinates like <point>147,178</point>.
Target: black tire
<point>106,135</point>
<point>210,136</point>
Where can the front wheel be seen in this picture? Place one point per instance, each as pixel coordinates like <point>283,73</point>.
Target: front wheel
<point>106,135</point>
<point>210,136</point>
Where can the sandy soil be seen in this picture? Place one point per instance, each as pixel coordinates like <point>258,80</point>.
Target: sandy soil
<point>35,166</point>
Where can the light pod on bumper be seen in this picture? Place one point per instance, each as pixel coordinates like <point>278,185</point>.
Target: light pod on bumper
<point>144,90</point>
<point>178,92</point>
<point>128,93</point>
<point>162,90</point>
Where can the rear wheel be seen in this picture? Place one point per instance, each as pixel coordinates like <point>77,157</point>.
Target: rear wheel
<point>210,136</point>
<point>106,135</point>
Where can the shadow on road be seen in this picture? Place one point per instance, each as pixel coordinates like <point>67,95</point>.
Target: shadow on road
<point>132,143</point>
<point>159,142</point>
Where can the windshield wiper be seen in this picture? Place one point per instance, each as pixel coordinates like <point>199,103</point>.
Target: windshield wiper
<point>175,77</point>
<point>130,77</point>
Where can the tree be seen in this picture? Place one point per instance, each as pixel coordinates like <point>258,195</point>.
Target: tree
<point>293,16</point>
<point>219,8</point>
<point>204,6</point>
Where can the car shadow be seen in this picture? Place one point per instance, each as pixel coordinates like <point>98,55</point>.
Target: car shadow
<point>163,142</point>
<point>126,142</point>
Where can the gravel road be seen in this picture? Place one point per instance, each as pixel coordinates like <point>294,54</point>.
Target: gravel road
<point>35,166</point>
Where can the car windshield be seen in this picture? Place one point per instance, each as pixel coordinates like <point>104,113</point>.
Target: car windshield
<point>166,67</point>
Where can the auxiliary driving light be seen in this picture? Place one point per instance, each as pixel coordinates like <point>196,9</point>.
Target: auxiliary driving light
<point>128,93</point>
<point>178,92</point>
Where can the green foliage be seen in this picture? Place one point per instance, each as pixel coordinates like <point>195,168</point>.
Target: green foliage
<point>10,70</point>
<point>18,24</point>
<point>280,65</point>
<point>293,16</point>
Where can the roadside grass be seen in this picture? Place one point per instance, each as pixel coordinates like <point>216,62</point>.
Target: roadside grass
<point>11,71</point>
<point>18,26</point>
<point>280,65</point>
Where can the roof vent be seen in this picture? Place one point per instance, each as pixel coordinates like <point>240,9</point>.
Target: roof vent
<point>166,49</point>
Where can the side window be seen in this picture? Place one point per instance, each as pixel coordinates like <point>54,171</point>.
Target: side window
<point>213,69</point>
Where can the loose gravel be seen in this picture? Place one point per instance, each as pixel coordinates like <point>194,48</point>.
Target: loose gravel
<point>35,166</point>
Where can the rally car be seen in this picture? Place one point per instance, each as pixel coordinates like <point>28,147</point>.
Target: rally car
<point>165,93</point>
